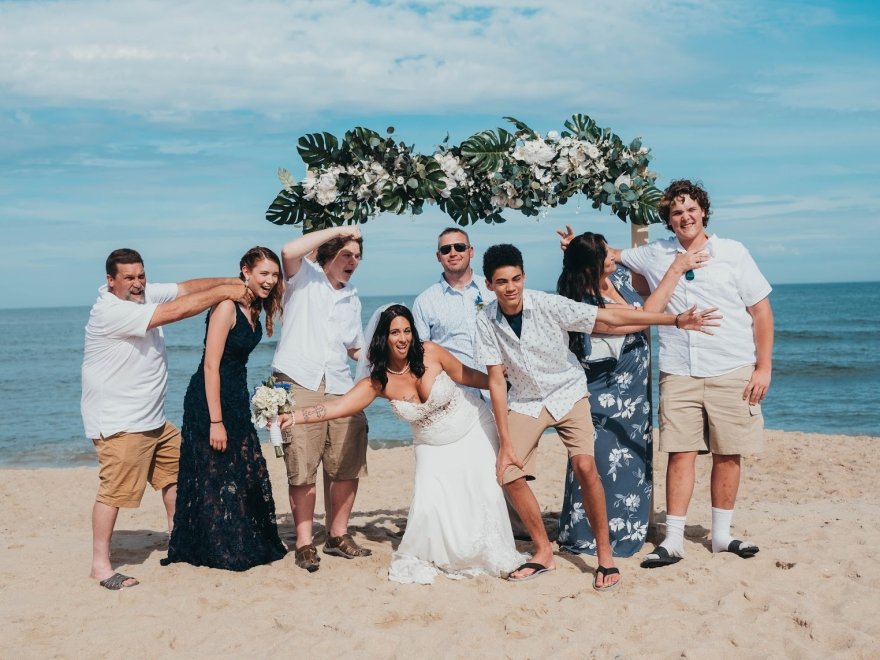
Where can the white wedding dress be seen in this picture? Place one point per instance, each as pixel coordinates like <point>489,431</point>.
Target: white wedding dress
<point>458,524</point>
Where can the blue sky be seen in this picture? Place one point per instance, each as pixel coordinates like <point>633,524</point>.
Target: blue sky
<point>160,126</point>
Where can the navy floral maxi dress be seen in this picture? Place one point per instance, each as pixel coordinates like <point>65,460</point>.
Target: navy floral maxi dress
<point>225,516</point>
<point>620,402</point>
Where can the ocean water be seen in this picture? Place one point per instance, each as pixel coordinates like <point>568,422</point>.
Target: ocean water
<point>826,372</point>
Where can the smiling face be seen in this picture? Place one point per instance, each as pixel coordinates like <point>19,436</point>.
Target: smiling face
<point>687,220</point>
<point>340,269</point>
<point>508,283</point>
<point>263,277</point>
<point>609,265</point>
<point>129,283</point>
<point>399,338</point>
<point>453,261</point>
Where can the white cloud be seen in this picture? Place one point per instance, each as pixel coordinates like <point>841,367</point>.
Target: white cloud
<point>300,57</point>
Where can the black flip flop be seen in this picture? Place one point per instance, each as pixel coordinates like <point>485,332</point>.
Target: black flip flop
<point>605,572</point>
<point>741,549</point>
<point>658,558</point>
<point>537,571</point>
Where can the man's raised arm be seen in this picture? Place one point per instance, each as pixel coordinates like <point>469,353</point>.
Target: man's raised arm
<point>191,304</point>
<point>293,251</point>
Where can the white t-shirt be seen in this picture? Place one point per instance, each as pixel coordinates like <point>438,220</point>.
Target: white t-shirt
<point>730,281</point>
<point>319,326</point>
<point>124,371</point>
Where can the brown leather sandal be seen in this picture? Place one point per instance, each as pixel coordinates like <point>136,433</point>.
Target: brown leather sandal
<point>344,546</point>
<point>307,557</point>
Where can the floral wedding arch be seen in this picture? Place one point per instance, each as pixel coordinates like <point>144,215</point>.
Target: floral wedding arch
<point>349,181</point>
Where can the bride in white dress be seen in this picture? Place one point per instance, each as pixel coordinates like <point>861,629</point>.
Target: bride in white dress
<point>458,523</point>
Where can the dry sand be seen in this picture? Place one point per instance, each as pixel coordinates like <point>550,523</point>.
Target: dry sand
<point>811,502</point>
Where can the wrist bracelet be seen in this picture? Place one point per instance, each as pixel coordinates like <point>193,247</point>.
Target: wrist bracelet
<point>219,421</point>
<point>676,320</point>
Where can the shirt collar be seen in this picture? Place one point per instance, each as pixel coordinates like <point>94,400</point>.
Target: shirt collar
<point>527,304</point>
<point>448,287</point>
<point>678,247</point>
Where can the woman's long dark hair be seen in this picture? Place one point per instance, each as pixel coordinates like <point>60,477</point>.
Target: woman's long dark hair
<point>583,266</point>
<point>378,354</point>
<point>272,304</point>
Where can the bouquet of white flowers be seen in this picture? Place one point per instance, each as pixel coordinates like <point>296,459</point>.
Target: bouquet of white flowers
<point>271,399</point>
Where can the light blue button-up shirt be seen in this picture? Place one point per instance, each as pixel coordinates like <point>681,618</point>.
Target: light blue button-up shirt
<point>448,316</point>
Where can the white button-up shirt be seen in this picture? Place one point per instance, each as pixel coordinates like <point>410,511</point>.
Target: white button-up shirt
<point>730,281</point>
<point>542,372</point>
<point>448,316</point>
<point>320,324</point>
<point>124,370</point>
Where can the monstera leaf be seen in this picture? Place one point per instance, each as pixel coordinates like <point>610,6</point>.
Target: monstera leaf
<point>318,149</point>
<point>289,208</point>
<point>522,128</point>
<point>485,151</point>
<point>644,211</point>
<point>584,128</point>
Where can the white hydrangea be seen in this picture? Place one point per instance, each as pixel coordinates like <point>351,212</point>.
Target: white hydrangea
<point>323,187</point>
<point>455,175</point>
<point>535,152</point>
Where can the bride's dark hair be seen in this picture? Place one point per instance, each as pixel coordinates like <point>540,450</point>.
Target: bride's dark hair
<point>378,353</point>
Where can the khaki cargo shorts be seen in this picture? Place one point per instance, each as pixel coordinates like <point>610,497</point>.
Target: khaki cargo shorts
<point>709,414</point>
<point>340,445</point>
<point>128,461</point>
<point>575,429</point>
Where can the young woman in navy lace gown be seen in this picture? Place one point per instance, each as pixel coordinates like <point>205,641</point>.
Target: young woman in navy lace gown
<point>225,515</point>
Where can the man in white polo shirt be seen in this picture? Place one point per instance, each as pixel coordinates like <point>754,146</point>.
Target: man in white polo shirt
<point>711,386</point>
<point>321,330</point>
<point>124,380</point>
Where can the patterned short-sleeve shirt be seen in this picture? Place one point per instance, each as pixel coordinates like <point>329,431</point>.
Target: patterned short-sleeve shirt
<point>542,372</point>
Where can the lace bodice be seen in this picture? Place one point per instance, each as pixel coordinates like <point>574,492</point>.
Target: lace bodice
<point>441,402</point>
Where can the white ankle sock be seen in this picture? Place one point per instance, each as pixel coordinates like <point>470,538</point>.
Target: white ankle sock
<point>721,538</point>
<point>674,541</point>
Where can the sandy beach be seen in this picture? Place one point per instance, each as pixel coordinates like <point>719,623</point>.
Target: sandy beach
<point>811,502</point>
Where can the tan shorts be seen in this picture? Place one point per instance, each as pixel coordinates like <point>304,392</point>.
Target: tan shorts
<point>339,444</point>
<point>575,429</point>
<point>129,460</point>
<point>709,414</point>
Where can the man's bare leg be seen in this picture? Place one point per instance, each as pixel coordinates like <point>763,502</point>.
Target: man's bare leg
<point>680,482</point>
<point>342,494</point>
<point>725,480</point>
<point>328,503</point>
<point>584,468</point>
<point>523,500</point>
<point>680,471</point>
<point>302,505</point>
<point>103,521</point>
<point>169,498</point>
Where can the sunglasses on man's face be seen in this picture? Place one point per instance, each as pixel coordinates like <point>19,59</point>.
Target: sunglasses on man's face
<point>446,249</point>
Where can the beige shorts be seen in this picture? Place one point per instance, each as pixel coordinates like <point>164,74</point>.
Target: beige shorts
<point>575,429</point>
<point>339,444</point>
<point>128,461</point>
<point>709,414</point>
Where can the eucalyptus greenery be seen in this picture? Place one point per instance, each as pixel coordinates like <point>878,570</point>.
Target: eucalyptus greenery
<point>350,180</point>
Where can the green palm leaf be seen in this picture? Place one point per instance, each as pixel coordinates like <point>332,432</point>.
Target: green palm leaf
<point>318,149</point>
<point>485,151</point>
<point>288,208</point>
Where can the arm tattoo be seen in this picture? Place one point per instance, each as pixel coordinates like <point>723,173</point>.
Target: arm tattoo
<point>318,411</point>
